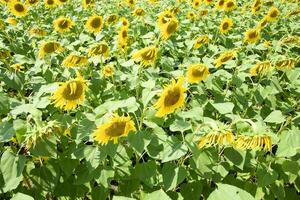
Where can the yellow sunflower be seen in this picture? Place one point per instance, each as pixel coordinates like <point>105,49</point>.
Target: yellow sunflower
<point>226,25</point>
<point>107,71</point>
<point>116,127</point>
<point>261,142</point>
<point>261,68</point>
<point>216,138</point>
<point>32,2</point>
<point>99,49</point>
<point>37,32</point>
<point>61,2</point>
<point>17,8</point>
<point>252,35</point>
<point>169,28</point>
<point>201,40</point>
<point>17,67</point>
<point>220,4</point>
<point>191,15</point>
<point>124,22</point>
<point>70,94</point>
<point>286,64</point>
<point>164,17</point>
<point>224,57</point>
<point>147,56</point>
<point>49,3</point>
<point>273,14</point>
<point>196,4</point>
<point>139,12</point>
<point>94,24</point>
<point>63,24</point>
<point>47,48</point>
<point>5,2</point>
<point>229,5</point>
<point>123,38</point>
<point>130,3</point>
<point>197,73</point>
<point>256,9</point>
<point>208,2</point>
<point>172,98</point>
<point>111,19</point>
<point>88,3</point>
<point>203,12</point>
<point>74,60</point>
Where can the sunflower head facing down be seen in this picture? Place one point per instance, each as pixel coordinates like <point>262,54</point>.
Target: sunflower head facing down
<point>37,32</point>
<point>273,14</point>
<point>260,68</point>
<point>48,48</point>
<point>116,127</point>
<point>138,12</point>
<point>99,49</point>
<point>17,8</point>
<point>262,23</point>
<point>112,19</point>
<point>252,35</point>
<point>286,64</point>
<point>94,24</point>
<point>74,60</point>
<point>63,24</point>
<point>146,56</point>
<point>226,25</point>
<point>169,28</point>
<point>171,98</point>
<point>197,73</point>
<point>164,17</point>
<point>70,94</point>
<point>224,57</point>
<point>201,40</point>
<point>123,38</point>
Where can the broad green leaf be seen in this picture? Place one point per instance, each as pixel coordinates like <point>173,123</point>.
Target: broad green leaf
<point>224,108</point>
<point>180,125</point>
<point>275,117</point>
<point>6,131</point>
<point>4,104</point>
<point>266,176</point>
<point>139,140</point>
<point>289,143</point>
<point>106,175</point>
<point>229,192</point>
<point>21,196</point>
<point>159,194</point>
<point>122,198</point>
<point>172,175</point>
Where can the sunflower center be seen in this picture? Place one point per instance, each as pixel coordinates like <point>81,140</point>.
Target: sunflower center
<point>116,129</point>
<point>226,58</point>
<point>172,97</point>
<point>63,24</point>
<point>112,18</point>
<point>73,90</point>
<point>230,4</point>
<point>197,72</point>
<point>32,1</point>
<point>96,22</point>
<point>124,34</point>
<point>148,55</point>
<point>19,7</point>
<point>171,27</point>
<point>225,25</point>
<point>50,2</point>
<point>252,35</point>
<point>273,14</point>
<point>50,47</point>
<point>197,4</point>
<point>221,3</point>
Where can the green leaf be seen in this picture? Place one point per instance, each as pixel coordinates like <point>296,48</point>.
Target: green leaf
<point>20,128</point>
<point>235,157</point>
<point>172,175</point>
<point>266,176</point>
<point>12,167</point>
<point>6,131</point>
<point>4,104</point>
<point>122,198</point>
<point>21,196</point>
<point>159,194</point>
<point>275,117</point>
<point>229,192</point>
<point>180,125</point>
<point>224,108</point>
<point>289,143</point>
<point>68,165</point>
<point>146,172</point>
<point>106,175</point>
<point>191,190</point>
<point>139,140</point>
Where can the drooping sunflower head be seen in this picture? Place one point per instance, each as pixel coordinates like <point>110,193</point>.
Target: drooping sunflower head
<point>74,60</point>
<point>224,57</point>
<point>197,73</point>
<point>88,3</point>
<point>169,28</point>
<point>262,23</point>
<point>112,19</point>
<point>139,12</point>
<point>37,32</point>
<point>172,98</point>
<point>164,17</point>
<point>252,35</point>
<point>286,64</point>
<point>99,49</point>
<point>229,5</point>
<point>146,56</point>
<point>50,4</point>
<point>220,4</point>
<point>123,38</point>
<point>32,2</point>
<point>201,40</point>
<point>216,138</point>
<point>107,71</point>
<point>273,14</point>
<point>261,68</point>
<point>63,24</point>
<point>17,8</point>
<point>257,142</point>
<point>196,4</point>
<point>226,25</point>
<point>94,24</point>
<point>48,48</point>
<point>70,94</point>
<point>256,9</point>
<point>116,127</point>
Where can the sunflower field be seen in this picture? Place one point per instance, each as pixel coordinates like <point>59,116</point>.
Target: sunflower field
<point>149,99</point>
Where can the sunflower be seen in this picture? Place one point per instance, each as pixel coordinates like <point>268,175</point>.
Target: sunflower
<point>208,2</point>
<point>130,3</point>
<point>61,2</point>
<point>256,3</point>
<point>261,68</point>
<point>201,40</point>
<point>262,23</point>
<point>197,73</point>
<point>252,35</point>
<point>262,142</point>
<point>124,22</point>
<point>224,57</point>
<point>88,3</point>
<point>49,48</point>
<point>147,56</point>
<point>5,2</point>
<point>32,2</point>
<point>286,64</point>
<point>112,19</point>
<point>116,127</point>
<point>139,12</point>
<point>37,32</point>
<point>229,5</point>
<point>171,98</point>
<point>74,60</point>
<point>168,29</point>
<point>175,10</point>
<point>4,54</point>
<point>216,138</point>
<point>256,9</point>
<point>70,94</point>
<point>220,4</point>
<point>94,24</point>
<point>17,67</point>
<point>294,13</point>
<point>196,4</point>
<point>63,24</point>
<point>226,25</point>
<point>17,8</point>
<point>272,15</point>
<point>164,17</point>
<point>49,3</point>
<point>203,12</point>
<point>191,15</point>
<point>123,38</point>
<point>99,49</point>
<point>107,71</point>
